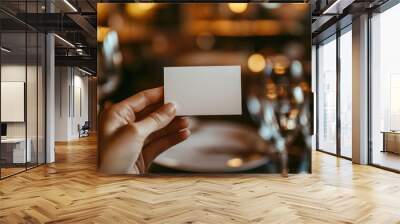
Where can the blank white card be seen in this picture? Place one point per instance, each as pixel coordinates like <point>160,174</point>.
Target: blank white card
<point>204,90</point>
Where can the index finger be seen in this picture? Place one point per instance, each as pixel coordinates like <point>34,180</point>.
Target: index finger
<point>124,112</point>
<point>143,99</point>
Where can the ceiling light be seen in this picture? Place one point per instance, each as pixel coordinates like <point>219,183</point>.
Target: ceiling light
<point>5,50</point>
<point>337,7</point>
<point>65,41</point>
<point>84,71</point>
<point>70,5</point>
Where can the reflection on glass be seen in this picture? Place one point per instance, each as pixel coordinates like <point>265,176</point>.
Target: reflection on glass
<point>22,91</point>
<point>31,97</point>
<point>385,89</point>
<point>14,153</point>
<point>41,99</point>
<point>314,90</point>
<point>327,96</point>
<point>345,94</point>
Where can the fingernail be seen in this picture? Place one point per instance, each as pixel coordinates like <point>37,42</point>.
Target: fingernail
<point>170,109</point>
<point>185,133</point>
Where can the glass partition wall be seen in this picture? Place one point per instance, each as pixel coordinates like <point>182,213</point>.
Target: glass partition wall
<point>22,77</point>
<point>13,89</point>
<point>334,94</point>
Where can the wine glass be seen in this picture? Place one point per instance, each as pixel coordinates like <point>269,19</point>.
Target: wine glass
<point>279,102</point>
<point>110,62</point>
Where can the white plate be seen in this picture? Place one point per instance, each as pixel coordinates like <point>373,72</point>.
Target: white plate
<point>216,147</point>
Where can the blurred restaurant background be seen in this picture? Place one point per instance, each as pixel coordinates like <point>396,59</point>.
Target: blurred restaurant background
<point>270,41</point>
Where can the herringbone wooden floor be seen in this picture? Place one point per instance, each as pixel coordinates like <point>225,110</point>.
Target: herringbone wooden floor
<point>71,191</point>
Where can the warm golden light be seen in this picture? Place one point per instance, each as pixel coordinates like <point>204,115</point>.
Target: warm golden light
<point>256,63</point>
<point>271,93</point>
<point>282,60</point>
<point>103,11</point>
<point>237,7</point>
<point>233,28</point>
<point>234,162</point>
<point>101,33</point>
<point>305,87</point>
<point>279,69</point>
<point>139,9</point>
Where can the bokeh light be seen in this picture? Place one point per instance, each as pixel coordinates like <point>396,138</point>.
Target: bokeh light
<point>139,9</point>
<point>256,63</point>
<point>296,69</point>
<point>101,33</point>
<point>237,7</point>
<point>234,162</point>
<point>281,62</point>
<point>271,91</point>
<point>253,105</point>
<point>298,95</point>
<point>269,5</point>
<point>205,41</point>
<point>279,69</point>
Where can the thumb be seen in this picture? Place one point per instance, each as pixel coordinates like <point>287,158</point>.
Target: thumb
<point>157,119</point>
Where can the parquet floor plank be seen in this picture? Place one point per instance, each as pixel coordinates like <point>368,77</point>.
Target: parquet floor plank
<point>71,191</point>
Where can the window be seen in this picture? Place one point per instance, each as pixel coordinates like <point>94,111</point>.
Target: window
<point>346,92</point>
<point>327,96</point>
<point>385,89</point>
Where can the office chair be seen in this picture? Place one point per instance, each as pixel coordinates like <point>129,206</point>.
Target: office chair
<point>84,130</point>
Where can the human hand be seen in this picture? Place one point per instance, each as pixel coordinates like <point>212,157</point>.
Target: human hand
<point>136,130</point>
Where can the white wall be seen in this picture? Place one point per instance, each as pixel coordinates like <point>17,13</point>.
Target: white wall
<point>62,81</point>
<point>13,73</point>
<point>80,100</point>
<point>71,93</point>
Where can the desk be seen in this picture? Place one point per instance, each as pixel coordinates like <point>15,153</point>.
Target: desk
<point>391,141</point>
<point>13,150</point>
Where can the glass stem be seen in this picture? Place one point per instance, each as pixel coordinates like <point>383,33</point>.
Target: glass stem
<point>284,162</point>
